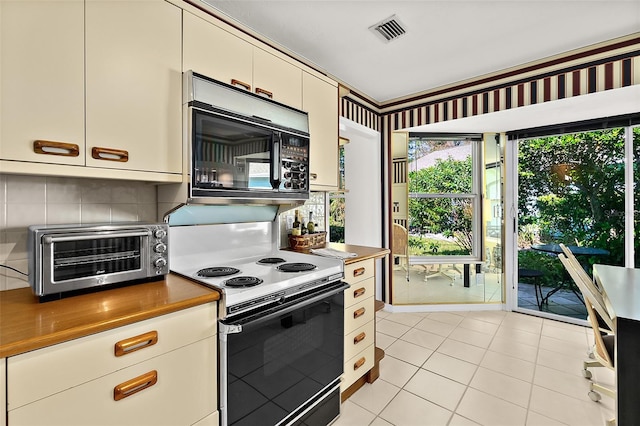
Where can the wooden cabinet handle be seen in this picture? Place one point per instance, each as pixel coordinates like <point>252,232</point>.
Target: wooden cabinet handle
<point>358,313</point>
<point>56,148</point>
<point>235,82</point>
<point>313,176</point>
<point>110,154</point>
<point>263,92</point>
<point>359,363</point>
<point>359,338</point>
<point>135,385</point>
<point>132,344</point>
<point>359,271</point>
<point>359,292</point>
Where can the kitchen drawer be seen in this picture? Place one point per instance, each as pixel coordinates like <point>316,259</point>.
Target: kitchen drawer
<point>362,337</point>
<point>185,392</point>
<point>357,315</point>
<point>358,271</point>
<point>359,291</point>
<point>357,366</point>
<point>37,374</point>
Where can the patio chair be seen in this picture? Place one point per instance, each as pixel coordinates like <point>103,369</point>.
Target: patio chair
<point>400,247</point>
<point>604,343</point>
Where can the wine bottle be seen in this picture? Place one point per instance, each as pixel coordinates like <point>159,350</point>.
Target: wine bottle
<point>303,228</point>
<point>295,230</point>
<point>311,227</point>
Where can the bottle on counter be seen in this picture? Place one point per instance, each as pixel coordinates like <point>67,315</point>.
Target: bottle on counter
<point>311,227</point>
<point>295,230</point>
<point>303,228</point>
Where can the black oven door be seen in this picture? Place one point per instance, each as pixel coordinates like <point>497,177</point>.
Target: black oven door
<point>284,367</point>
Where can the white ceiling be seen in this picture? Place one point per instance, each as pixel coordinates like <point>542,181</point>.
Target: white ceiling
<point>447,41</point>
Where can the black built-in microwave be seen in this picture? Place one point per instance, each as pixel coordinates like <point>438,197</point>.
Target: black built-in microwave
<point>243,145</point>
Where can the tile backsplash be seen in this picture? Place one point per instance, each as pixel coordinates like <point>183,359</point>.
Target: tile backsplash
<point>39,200</point>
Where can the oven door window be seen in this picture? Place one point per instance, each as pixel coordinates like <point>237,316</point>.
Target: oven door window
<point>274,367</point>
<point>229,154</point>
<point>91,257</point>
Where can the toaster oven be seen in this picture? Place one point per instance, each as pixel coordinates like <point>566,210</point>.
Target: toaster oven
<point>65,258</point>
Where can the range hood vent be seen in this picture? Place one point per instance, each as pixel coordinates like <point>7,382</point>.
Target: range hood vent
<point>389,29</point>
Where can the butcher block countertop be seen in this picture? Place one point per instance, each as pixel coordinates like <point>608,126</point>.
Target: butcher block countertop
<point>363,252</point>
<point>26,324</point>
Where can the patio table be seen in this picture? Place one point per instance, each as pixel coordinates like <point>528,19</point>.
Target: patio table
<point>577,251</point>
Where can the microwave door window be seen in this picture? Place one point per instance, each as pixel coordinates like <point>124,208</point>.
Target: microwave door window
<point>229,154</point>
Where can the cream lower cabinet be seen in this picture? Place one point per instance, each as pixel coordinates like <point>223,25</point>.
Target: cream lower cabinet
<point>97,83</point>
<point>3,391</point>
<point>359,321</point>
<point>161,371</point>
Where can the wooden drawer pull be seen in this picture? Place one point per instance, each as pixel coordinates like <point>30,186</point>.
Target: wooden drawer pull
<point>359,363</point>
<point>263,92</point>
<point>313,176</point>
<point>358,272</point>
<point>110,154</point>
<point>358,313</point>
<point>56,148</point>
<point>359,338</point>
<point>132,344</point>
<point>359,292</point>
<point>235,82</point>
<point>135,385</point>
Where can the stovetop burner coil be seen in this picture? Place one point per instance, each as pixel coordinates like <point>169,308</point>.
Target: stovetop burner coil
<point>271,260</point>
<point>296,267</point>
<point>217,271</point>
<point>242,282</point>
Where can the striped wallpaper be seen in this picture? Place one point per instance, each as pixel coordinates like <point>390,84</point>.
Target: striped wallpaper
<point>592,75</point>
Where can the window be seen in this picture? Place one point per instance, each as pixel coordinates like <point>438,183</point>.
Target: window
<point>444,197</point>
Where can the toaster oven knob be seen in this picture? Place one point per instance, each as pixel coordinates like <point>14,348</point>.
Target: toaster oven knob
<point>160,262</point>
<point>159,233</point>
<point>160,248</point>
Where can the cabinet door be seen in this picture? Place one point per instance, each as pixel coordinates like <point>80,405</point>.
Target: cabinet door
<point>320,100</point>
<point>213,52</point>
<point>134,83</point>
<point>277,78</point>
<point>42,79</point>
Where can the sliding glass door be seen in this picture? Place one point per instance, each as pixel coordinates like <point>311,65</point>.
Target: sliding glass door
<point>571,190</point>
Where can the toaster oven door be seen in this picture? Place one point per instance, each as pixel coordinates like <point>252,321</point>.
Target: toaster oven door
<point>77,261</point>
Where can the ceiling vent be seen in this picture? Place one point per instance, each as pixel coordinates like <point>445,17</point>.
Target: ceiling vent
<point>389,29</point>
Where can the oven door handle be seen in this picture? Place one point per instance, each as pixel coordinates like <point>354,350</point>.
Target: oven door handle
<point>233,327</point>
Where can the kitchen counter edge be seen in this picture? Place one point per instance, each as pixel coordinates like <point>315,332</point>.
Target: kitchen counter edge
<point>27,325</point>
<point>363,252</point>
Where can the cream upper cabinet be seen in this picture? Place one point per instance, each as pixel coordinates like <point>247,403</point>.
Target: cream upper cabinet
<point>277,79</point>
<point>320,100</point>
<point>133,83</point>
<point>42,80</point>
<point>211,51</point>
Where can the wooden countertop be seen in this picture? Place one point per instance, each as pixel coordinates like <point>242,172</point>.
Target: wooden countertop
<point>363,252</point>
<point>26,324</point>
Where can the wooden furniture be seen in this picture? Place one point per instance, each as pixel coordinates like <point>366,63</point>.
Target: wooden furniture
<point>130,355</point>
<point>112,103</point>
<point>621,291</point>
<point>362,357</point>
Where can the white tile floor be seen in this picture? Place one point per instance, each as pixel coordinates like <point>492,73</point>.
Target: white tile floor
<point>487,368</point>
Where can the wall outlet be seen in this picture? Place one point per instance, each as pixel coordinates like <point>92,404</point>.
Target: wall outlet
<point>289,222</point>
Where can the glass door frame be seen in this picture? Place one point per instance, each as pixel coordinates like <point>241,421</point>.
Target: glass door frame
<point>511,222</point>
